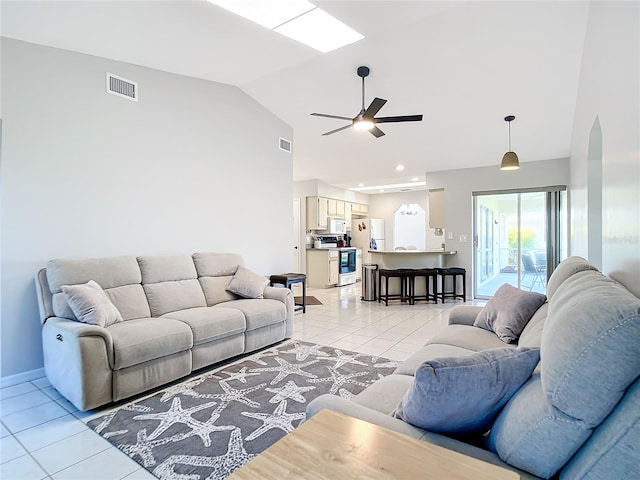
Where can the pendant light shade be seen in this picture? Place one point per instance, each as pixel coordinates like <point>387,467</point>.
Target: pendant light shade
<point>510,159</point>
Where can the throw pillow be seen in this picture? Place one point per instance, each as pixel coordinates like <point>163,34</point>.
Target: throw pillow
<point>90,304</point>
<point>247,284</point>
<point>508,312</point>
<point>465,394</point>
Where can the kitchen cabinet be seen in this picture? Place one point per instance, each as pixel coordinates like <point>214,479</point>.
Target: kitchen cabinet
<point>358,264</point>
<point>332,207</point>
<point>340,209</point>
<point>322,267</point>
<point>360,209</point>
<point>347,215</point>
<point>317,213</point>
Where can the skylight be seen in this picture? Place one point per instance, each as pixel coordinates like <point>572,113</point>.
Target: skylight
<point>299,20</point>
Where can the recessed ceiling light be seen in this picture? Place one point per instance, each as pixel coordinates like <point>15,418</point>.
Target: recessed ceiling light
<point>299,20</point>
<point>415,179</point>
<point>361,184</point>
<point>400,168</point>
<point>381,190</point>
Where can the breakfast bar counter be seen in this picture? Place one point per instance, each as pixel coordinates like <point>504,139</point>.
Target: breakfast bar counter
<point>410,258</point>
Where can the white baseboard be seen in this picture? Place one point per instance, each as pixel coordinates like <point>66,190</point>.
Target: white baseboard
<point>21,377</point>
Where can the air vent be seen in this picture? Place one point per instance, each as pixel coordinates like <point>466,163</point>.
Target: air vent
<point>285,145</point>
<point>122,87</point>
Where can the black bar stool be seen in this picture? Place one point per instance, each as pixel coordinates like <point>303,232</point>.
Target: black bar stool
<point>288,279</point>
<point>405,285</point>
<point>454,273</point>
<point>430,286</point>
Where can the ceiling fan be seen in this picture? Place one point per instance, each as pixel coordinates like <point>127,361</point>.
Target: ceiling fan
<point>366,120</point>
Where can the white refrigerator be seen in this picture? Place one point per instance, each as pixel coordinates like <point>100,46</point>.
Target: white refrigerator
<point>367,234</point>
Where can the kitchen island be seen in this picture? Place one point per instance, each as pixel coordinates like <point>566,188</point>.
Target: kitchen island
<point>410,258</point>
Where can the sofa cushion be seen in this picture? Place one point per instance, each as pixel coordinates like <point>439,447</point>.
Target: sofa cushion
<point>215,289</point>
<point>248,284</point>
<point>168,297</point>
<point>141,340</point>
<point>90,304</point>
<point>565,269</point>
<point>465,394</point>
<point>612,450</point>
<point>590,346</point>
<point>531,336</point>
<point>217,264</point>
<point>385,394</point>
<point>532,435</point>
<point>130,300</point>
<point>164,268</point>
<point>208,323</point>
<point>431,352</point>
<point>258,312</point>
<point>465,336</point>
<point>508,312</point>
<point>107,272</point>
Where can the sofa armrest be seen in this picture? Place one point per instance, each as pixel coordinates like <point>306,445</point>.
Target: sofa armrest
<point>78,361</point>
<point>352,409</point>
<point>277,293</point>
<point>463,314</point>
<point>285,296</point>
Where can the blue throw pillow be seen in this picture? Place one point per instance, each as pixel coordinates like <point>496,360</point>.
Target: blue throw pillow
<point>465,394</point>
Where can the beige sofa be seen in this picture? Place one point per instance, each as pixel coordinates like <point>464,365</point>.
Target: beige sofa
<point>578,416</point>
<point>178,317</point>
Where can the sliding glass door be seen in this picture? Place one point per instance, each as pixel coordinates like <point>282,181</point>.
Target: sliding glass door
<point>519,237</point>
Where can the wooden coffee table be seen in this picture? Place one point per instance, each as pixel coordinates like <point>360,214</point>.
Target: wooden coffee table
<point>334,446</point>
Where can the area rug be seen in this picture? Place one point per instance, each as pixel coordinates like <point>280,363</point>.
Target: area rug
<point>212,424</point>
<point>310,300</point>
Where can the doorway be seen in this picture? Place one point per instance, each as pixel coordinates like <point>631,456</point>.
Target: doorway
<point>519,238</point>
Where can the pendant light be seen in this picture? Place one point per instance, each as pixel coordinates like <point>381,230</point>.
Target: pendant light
<point>510,160</point>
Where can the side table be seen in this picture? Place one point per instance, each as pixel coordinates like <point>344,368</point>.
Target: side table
<point>288,279</point>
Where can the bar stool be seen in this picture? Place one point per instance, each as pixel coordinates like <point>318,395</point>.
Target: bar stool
<point>288,279</point>
<point>454,273</point>
<point>405,286</point>
<point>430,277</point>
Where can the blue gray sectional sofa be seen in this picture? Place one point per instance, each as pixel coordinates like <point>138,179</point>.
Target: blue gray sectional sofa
<point>176,316</point>
<point>578,416</point>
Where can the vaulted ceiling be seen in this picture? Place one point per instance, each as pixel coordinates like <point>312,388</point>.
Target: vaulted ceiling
<point>463,65</point>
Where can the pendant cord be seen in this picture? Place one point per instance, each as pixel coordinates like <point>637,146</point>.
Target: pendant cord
<point>363,94</point>
<point>509,136</point>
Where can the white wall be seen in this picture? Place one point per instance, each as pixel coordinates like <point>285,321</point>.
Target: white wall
<point>609,90</point>
<point>193,166</point>
<point>460,184</point>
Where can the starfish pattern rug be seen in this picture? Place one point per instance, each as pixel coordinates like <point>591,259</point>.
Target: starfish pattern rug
<point>208,426</point>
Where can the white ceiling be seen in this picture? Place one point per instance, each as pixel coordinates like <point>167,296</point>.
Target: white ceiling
<point>463,65</point>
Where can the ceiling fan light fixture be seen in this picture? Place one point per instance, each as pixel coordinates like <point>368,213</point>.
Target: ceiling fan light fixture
<point>510,159</point>
<point>362,123</point>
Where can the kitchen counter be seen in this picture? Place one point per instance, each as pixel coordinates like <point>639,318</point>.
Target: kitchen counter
<point>410,258</point>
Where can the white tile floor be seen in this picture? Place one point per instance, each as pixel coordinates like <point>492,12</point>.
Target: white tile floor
<point>44,437</point>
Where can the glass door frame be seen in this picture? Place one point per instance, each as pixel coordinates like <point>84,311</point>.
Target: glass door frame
<point>555,231</point>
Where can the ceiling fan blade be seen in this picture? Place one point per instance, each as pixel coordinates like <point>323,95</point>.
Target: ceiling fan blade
<point>374,107</point>
<point>331,116</point>
<point>401,118</point>
<point>338,130</point>
<point>376,132</point>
